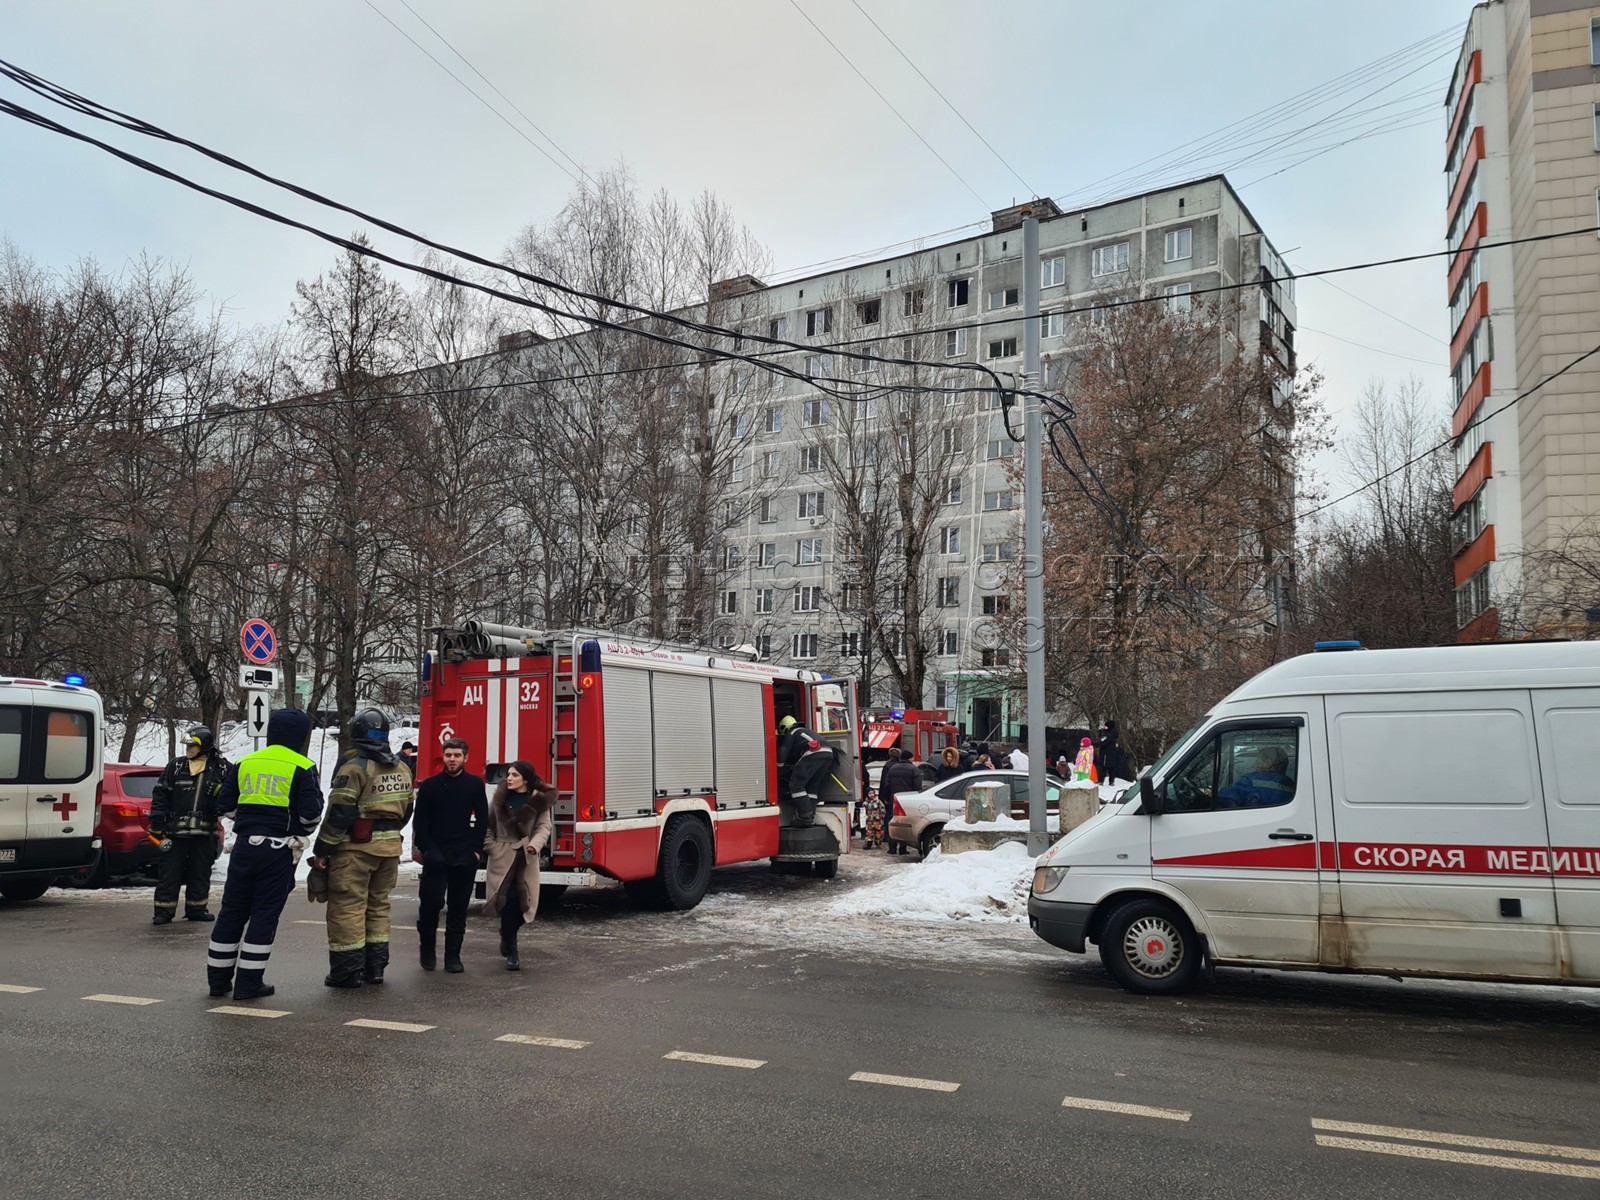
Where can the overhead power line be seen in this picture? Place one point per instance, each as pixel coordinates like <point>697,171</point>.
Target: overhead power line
<point>887,104</point>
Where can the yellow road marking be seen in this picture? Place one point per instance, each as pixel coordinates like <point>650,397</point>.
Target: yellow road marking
<point>1130,1110</point>
<point>1438,1154</point>
<point>1457,1139</point>
<point>236,1010</point>
<point>524,1039</point>
<point>103,998</point>
<point>716,1060</point>
<point>397,1026</point>
<point>18,989</point>
<point>905,1081</point>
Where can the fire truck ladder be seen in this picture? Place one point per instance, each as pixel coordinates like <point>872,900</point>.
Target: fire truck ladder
<point>564,758</point>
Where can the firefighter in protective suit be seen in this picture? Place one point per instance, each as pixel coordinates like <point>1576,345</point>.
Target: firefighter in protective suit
<point>809,760</point>
<point>359,848</point>
<point>182,822</point>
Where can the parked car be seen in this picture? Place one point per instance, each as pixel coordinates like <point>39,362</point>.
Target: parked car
<point>124,830</point>
<point>919,818</point>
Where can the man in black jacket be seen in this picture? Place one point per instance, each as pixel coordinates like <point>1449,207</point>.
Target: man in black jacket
<point>447,835</point>
<point>899,776</point>
<point>181,822</point>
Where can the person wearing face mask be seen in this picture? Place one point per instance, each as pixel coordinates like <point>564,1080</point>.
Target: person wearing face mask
<point>181,821</point>
<point>447,836</point>
<point>519,830</point>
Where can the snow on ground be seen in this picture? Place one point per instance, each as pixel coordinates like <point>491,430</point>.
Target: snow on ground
<point>978,885</point>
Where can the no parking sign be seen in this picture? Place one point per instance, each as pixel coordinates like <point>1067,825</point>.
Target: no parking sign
<point>259,643</point>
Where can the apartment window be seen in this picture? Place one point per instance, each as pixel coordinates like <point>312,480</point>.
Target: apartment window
<point>1052,271</point>
<point>1472,598</point>
<point>731,558</point>
<point>869,312</point>
<point>949,591</point>
<point>1002,297</point>
<point>955,343</point>
<point>952,490</point>
<point>763,644</point>
<point>819,366</point>
<point>863,362</point>
<point>994,658</point>
<point>991,401</point>
<point>957,293</point>
<point>769,464</point>
<point>1053,324</point>
<point>807,599</point>
<point>739,423</point>
<point>768,555</point>
<point>1594,42</point>
<point>850,596</point>
<point>1180,244</point>
<point>1000,448</point>
<point>1003,348</point>
<point>944,693</point>
<point>864,454</point>
<point>911,303</point>
<point>728,606</point>
<point>949,643</point>
<point>1108,260</point>
<point>814,413</point>
<point>950,540</point>
<point>1177,297</point>
<point>850,645</point>
<point>738,382</point>
<point>810,458</point>
<point>997,552</point>
<point>810,505</point>
<point>869,408</point>
<point>764,597</point>
<point>819,321</point>
<point>810,551</point>
<point>805,645</point>
<point>778,327</point>
<point>734,510</point>
<point>767,510</point>
<point>996,606</point>
<point>996,501</point>
<point>952,441</point>
<point>736,469</point>
<point>774,421</point>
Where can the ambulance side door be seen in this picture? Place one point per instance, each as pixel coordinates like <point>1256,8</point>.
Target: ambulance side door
<point>1568,723</point>
<point>16,717</point>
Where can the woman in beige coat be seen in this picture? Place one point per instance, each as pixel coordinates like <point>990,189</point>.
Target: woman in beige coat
<point>519,830</point>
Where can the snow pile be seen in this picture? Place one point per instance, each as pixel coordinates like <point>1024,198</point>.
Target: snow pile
<point>980,885</point>
<point>1007,823</point>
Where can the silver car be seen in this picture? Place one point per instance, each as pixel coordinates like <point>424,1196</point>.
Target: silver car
<point>922,816</point>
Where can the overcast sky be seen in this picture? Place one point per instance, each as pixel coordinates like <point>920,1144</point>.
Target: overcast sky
<point>746,99</point>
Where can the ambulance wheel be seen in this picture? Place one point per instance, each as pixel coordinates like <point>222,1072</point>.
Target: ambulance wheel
<point>1149,947</point>
<point>825,868</point>
<point>24,889</point>
<point>684,867</point>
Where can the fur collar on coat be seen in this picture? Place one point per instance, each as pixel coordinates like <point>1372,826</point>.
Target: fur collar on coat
<point>519,824</point>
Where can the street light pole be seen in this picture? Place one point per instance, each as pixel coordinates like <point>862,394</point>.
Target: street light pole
<point>1033,534</point>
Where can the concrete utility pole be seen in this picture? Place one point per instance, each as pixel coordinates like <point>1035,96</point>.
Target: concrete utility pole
<point>1033,533</point>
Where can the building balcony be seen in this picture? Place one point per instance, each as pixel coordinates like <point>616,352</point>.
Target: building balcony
<point>1470,161</point>
<point>1485,627</point>
<point>1474,477</point>
<point>1477,393</point>
<point>1472,77</point>
<point>1477,228</point>
<point>1475,555</point>
<point>1477,310</point>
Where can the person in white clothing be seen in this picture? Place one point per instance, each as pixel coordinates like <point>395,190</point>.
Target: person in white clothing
<point>1019,760</point>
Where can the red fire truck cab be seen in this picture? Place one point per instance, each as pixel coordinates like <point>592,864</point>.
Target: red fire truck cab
<point>664,758</point>
<point>922,733</point>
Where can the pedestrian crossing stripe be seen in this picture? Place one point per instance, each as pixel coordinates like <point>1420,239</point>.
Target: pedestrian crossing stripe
<point>396,1026</point>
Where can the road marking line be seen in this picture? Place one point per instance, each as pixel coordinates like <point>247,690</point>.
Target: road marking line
<point>235,1010</point>
<point>397,1026</point>
<point>106,999</point>
<point>1130,1110</point>
<point>524,1039</point>
<point>716,1060</point>
<point>1436,1154</point>
<point>905,1081</point>
<point>305,922</point>
<point>18,989</point>
<point>1456,1139</point>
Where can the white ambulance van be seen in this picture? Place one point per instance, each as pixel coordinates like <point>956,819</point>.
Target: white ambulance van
<point>51,758</point>
<point>1426,812</point>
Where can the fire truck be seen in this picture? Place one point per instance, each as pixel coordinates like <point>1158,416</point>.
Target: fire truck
<point>922,733</point>
<point>664,758</point>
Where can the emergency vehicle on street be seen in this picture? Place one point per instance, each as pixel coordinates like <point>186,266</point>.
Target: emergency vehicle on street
<point>51,758</point>
<point>664,758</point>
<point>1401,812</point>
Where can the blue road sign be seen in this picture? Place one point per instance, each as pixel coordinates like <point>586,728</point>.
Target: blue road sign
<point>259,643</point>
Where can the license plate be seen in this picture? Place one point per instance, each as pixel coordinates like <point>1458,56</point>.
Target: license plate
<point>8,856</point>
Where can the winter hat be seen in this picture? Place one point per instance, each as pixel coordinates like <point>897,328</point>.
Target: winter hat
<point>1086,742</point>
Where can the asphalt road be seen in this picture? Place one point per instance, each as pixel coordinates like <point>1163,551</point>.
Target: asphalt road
<point>847,1060</point>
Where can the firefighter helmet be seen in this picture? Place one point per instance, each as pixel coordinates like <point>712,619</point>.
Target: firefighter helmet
<point>201,738</point>
<point>787,724</point>
<point>370,725</point>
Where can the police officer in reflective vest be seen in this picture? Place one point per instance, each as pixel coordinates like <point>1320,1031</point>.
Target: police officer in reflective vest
<point>275,800</point>
<point>359,847</point>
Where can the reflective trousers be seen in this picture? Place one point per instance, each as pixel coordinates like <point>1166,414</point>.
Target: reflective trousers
<point>259,881</point>
<point>359,884</point>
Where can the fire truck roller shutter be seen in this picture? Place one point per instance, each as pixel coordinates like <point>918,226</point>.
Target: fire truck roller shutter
<point>630,764</point>
<point>742,740</point>
<point>684,759</point>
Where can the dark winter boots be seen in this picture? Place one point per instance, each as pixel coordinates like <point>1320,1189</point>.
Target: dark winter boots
<point>452,953</point>
<point>345,968</point>
<point>377,959</point>
<point>510,922</point>
<point>161,918</point>
<point>428,948</point>
<point>247,985</point>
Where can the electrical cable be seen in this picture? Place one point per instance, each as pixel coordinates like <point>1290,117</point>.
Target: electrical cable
<point>796,6</point>
<point>1375,349</point>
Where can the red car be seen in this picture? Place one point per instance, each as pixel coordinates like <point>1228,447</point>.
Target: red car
<point>124,829</point>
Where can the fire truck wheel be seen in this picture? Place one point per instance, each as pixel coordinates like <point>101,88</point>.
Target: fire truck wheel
<point>684,868</point>
<point>825,868</point>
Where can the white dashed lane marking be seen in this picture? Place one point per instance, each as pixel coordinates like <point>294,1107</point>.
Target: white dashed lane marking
<point>905,1081</point>
<point>1435,1151</point>
<point>235,1010</point>
<point>1127,1110</point>
<point>104,998</point>
<point>716,1060</point>
<point>18,989</point>
<point>396,1026</point>
<point>525,1039</point>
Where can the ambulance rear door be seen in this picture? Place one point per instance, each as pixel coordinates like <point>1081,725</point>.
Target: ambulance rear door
<point>16,719</point>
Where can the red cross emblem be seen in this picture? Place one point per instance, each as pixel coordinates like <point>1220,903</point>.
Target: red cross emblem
<point>65,807</point>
